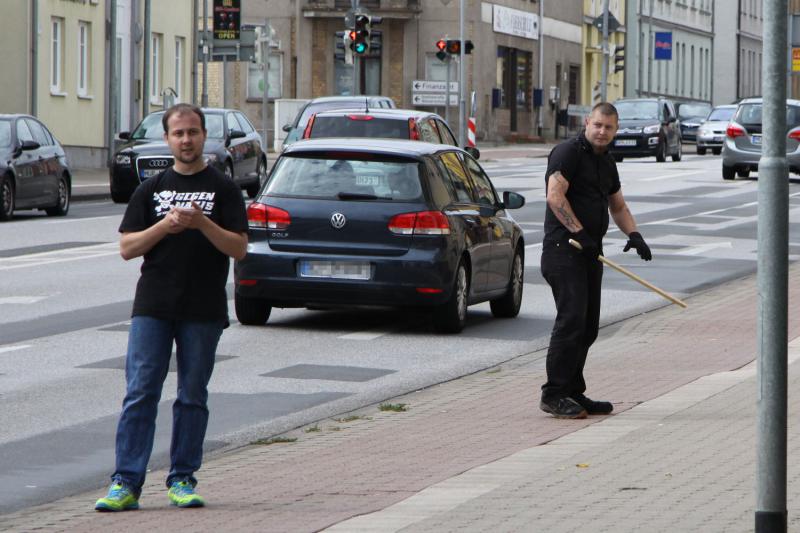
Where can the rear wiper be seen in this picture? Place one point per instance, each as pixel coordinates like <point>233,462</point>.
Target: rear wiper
<point>360,196</point>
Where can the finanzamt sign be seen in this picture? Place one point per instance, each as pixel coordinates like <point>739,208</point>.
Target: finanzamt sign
<point>663,45</point>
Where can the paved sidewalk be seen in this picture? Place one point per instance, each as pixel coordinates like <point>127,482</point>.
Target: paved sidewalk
<point>476,454</point>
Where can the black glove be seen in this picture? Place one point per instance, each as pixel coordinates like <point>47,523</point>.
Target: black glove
<point>589,248</point>
<point>635,240</point>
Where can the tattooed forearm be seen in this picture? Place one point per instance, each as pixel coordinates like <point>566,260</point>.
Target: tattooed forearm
<point>565,215</point>
<point>557,200</point>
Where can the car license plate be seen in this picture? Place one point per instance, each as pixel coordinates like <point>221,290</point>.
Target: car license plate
<point>718,138</point>
<point>625,142</point>
<point>150,172</point>
<point>755,139</point>
<point>335,269</point>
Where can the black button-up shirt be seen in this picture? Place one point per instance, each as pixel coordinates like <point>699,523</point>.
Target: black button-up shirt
<point>592,178</point>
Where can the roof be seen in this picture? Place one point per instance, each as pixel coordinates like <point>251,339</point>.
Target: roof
<point>379,111</point>
<point>357,98</point>
<point>394,147</point>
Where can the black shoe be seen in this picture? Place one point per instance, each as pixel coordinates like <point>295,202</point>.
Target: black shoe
<point>563,408</point>
<point>592,407</point>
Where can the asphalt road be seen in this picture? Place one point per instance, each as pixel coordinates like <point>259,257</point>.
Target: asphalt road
<point>65,298</point>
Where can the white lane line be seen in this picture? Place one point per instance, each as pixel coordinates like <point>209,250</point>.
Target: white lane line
<point>21,299</point>
<point>364,335</point>
<point>675,175</point>
<point>14,348</point>
<point>70,220</point>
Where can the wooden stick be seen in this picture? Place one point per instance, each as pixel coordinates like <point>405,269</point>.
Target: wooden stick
<point>633,276</point>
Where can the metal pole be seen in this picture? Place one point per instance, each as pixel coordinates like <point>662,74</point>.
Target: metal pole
<point>642,47</point>
<point>540,113</point>
<point>447,92</point>
<point>113,87</point>
<point>204,94</point>
<point>195,58</point>
<point>604,76</point>
<point>462,98</point>
<point>650,52</point>
<point>264,44</point>
<point>34,57</point>
<point>773,259</point>
<point>146,62</point>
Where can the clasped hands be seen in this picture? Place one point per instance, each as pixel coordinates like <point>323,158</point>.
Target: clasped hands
<point>181,218</point>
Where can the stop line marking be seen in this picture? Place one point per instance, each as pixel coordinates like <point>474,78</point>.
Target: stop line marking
<point>15,348</point>
<point>59,256</point>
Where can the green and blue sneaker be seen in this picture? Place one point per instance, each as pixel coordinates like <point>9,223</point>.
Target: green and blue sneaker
<point>182,494</point>
<point>119,498</point>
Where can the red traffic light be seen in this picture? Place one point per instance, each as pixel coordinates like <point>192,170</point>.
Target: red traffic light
<point>441,44</point>
<point>453,46</point>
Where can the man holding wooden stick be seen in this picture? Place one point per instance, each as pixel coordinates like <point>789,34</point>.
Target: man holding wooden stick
<point>583,188</point>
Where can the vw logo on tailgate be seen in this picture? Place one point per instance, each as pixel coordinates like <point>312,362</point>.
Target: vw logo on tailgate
<point>338,220</point>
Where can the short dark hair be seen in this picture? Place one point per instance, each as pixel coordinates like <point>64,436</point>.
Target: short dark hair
<point>181,109</point>
<point>606,109</point>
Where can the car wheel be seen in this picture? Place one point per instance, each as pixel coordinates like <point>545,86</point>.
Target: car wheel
<point>677,155</point>
<point>62,207</point>
<point>229,170</point>
<point>6,198</point>
<point>728,173</point>
<point>261,172</point>
<point>717,151</point>
<point>744,173</point>
<point>618,158</point>
<point>451,316</point>
<point>507,306</point>
<point>251,311</point>
<point>661,154</point>
<point>701,151</point>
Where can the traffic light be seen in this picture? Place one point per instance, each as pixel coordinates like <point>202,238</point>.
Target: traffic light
<point>454,47</point>
<point>344,50</point>
<point>360,34</point>
<point>441,45</point>
<point>619,58</point>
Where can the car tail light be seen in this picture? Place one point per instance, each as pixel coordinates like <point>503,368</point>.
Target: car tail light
<point>795,134</point>
<point>360,117</point>
<point>307,131</point>
<point>734,130</point>
<point>247,282</point>
<point>420,223</point>
<point>429,290</point>
<point>413,134</point>
<point>267,217</point>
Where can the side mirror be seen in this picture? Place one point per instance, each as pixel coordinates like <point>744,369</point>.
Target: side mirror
<point>513,200</point>
<point>124,135</point>
<point>29,145</point>
<point>287,128</point>
<point>236,134</point>
<point>474,152</point>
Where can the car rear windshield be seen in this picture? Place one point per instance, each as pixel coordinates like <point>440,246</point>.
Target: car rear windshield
<point>5,133</point>
<point>637,110</point>
<point>693,110</point>
<point>750,115</point>
<point>722,114</point>
<point>151,129</point>
<point>319,107</point>
<point>359,126</point>
<point>346,179</point>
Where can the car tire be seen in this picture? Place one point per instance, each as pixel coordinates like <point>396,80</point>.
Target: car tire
<point>6,198</point>
<point>507,306</point>
<point>62,206</point>
<point>451,316</point>
<point>677,155</point>
<point>744,173</point>
<point>252,189</point>
<point>661,154</point>
<point>717,151</point>
<point>229,170</point>
<point>618,158</point>
<point>701,151</point>
<point>251,311</point>
<point>728,173</point>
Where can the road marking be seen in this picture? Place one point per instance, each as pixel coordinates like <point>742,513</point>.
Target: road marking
<point>59,256</point>
<point>704,248</point>
<point>364,335</point>
<point>14,348</point>
<point>675,175</point>
<point>21,299</point>
<point>68,220</point>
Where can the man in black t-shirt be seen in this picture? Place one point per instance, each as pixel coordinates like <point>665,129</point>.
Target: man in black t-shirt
<point>187,222</point>
<point>582,189</point>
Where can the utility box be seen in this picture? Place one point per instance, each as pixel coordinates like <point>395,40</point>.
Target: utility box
<point>537,97</point>
<point>497,97</point>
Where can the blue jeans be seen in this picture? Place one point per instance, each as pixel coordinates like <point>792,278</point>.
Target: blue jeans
<point>146,366</point>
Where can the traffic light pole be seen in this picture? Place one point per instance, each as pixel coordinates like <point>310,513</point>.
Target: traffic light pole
<point>462,99</point>
<point>447,92</point>
<point>604,79</point>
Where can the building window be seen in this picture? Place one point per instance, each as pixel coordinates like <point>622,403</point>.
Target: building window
<point>179,66</point>
<point>514,76</point>
<point>84,57</point>
<point>56,54</point>
<point>155,67</point>
<point>255,78</point>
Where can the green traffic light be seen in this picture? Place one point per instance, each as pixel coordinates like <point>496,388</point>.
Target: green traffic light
<point>360,48</point>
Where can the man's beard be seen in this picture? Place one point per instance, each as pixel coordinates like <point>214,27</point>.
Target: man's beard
<point>188,159</point>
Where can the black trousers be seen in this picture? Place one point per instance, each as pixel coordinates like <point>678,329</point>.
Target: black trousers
<point>576,283</point>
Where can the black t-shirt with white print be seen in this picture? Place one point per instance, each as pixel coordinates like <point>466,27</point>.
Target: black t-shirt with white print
<point>183,276</point>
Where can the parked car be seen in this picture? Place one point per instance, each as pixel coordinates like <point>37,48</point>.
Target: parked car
<point>647,127</point>
<point>409,124</point>
<point>741,151</point>
<point>233,147</point>
<point>34,173</point>
<point>296,128</point>
<point>386,223</point>
<point>691,115</point>
<point>711,133</point>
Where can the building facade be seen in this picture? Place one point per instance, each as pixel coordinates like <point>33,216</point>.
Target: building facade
<point>57,66</point>
<point>684,28</point>
<point>592,70</point>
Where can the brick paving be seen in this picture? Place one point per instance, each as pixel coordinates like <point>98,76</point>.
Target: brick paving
<point>356,467</point>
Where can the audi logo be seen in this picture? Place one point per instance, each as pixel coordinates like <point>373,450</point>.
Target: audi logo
<point>338,220</point>
<point>158,163</point>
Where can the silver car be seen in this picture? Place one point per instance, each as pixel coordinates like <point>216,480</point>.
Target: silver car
<point>711,133</point>
<point>742,149</point>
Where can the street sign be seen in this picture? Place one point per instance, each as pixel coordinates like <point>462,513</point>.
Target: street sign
<point>663,45</point>
<point>433,99</point>
<point>613,23</point>
<point>578,110</point>
<point>795,59</point>
<point>428,86</point>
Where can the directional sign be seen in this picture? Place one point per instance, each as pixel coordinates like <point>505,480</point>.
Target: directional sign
<point>428,86</point>
<point>433,99</point>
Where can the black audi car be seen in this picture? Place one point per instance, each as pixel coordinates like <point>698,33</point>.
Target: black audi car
<point>34,173</point>
<point>345,222</point>
<point>233,146</point>
<point>647,127</point>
